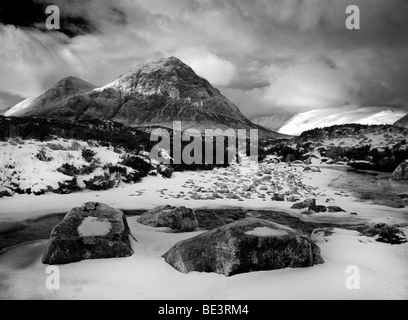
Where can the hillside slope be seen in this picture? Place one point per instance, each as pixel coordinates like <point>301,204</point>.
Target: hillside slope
<point>157,93</point>
<point>403,122</point>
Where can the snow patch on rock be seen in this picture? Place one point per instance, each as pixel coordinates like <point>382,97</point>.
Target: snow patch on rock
<point>94,227</point>
<point>266,233</point>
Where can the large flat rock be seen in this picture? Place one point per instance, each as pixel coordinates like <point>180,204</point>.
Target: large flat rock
<point>244,246</point>
<point>94,231</point>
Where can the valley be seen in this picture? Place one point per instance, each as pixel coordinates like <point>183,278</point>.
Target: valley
<point>101,172</point>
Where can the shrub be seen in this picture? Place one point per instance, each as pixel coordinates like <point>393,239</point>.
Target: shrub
<point>88,155</point>
<point>42,156</point>
<point>85,170</point>
<point>100,183</point>
<point>137,163</point>
<point>116,169</point>
<point>68,187</point>
<point>68,170</point>
<point>72,171</point>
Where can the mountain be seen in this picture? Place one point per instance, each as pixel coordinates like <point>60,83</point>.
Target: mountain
<point>403,122</point>
<point>274,122</point>
<point>322,118</point>
<point>153,94</point>
<point>55,102</point>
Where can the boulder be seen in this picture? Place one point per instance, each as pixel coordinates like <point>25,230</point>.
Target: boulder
<point>244,246</point>
<point>385,233</point>
<point>247,188</point>
<point>308,161</point>
<point>165,171</point>
<point>293,198</point>
<point>401,173</point>
<point>307,204</point>
<point>232,196</point>
<point>278,197</point>
<point>321,209</point>
<point>94,231</point>
<point>5,192</point>
<point>334,209</point>
<point>177,218</point>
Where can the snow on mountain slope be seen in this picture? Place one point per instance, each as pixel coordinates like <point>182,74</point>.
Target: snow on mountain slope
<point>20,107</point>
<point>53,101</point>
<point>153,94</point>
<point>4,109</point>
<point>274,122</point>
<point>337,116</point>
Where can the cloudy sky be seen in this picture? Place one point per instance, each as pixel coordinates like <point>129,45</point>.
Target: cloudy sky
<point>268,56</point>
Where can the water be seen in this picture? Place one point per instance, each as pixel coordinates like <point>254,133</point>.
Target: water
<point>373,187</point>
<point>366,186</point>
<point>29,231</point>
<point>40,229</point>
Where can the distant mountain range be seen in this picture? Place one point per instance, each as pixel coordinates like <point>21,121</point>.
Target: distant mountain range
<point>322,118</point>
<point>167,90</point>
<point>153,94</point>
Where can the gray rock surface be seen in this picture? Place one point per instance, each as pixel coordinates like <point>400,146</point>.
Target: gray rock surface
<point>94,231</point>
<point>247,245</point>
<point>401,173</point>
<point>177,218</point>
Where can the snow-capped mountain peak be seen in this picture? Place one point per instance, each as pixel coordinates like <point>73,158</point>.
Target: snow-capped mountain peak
<point>152,94</point>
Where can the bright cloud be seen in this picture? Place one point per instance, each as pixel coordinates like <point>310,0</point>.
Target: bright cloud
<point>267,56</point>
<point>219,71</point>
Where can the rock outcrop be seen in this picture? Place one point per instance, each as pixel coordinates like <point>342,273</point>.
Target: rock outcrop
<point>309,204</point>
<point>177,218</point>
<point>401,173</point>
<point>94,231</point>
<point>247,245</point>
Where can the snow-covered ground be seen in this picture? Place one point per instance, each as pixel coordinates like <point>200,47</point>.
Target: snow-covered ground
<point>195,190</point>
<point>376,139</point>
<point>382,269</point>
<point>34,165</point>
<point>19,107</point>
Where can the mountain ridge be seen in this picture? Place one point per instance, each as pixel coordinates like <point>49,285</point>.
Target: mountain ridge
<point>274,122</point>
<point>322,118</point>
<point>48,101</point>
<point>403,122</point>
<point>152,94</point>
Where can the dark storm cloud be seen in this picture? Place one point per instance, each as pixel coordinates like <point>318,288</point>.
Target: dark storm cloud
<point>267,56</point>
<point>31,14</point>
